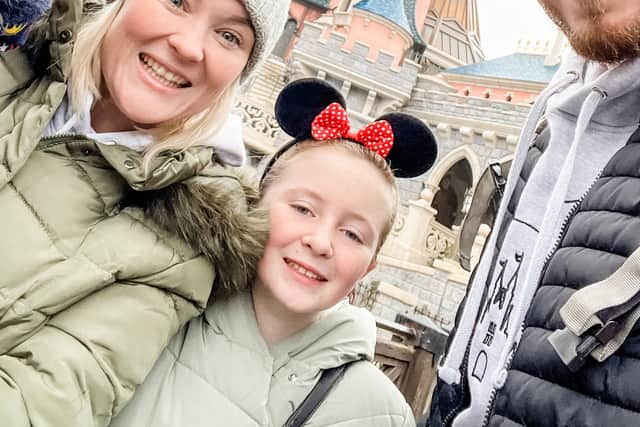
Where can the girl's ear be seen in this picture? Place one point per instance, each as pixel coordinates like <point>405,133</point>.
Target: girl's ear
<point>414,146</point>
<point>373,265</point>
<point>300,102</point>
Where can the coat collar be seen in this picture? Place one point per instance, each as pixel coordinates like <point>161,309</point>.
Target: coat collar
<point>344,334</point>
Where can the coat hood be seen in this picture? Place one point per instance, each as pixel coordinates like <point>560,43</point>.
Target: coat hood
<point>346,333</point>
<point>212,207</point>
<point>209,219</point>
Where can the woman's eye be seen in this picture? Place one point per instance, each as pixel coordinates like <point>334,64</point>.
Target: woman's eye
<point>177,3</point>
<point>230,38</point>
<point>353,236</point>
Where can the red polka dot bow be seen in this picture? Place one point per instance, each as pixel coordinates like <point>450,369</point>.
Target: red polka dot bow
<point>333,123</point>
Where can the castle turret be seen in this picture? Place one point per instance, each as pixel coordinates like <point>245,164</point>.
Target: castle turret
<point>452,33</point>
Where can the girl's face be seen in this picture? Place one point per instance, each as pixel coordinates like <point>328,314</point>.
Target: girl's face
<point>164,60</point>
<point>327,210</point>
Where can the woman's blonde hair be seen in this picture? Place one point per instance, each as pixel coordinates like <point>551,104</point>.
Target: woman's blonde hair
<point>356,149</point>
<point>86,79</point>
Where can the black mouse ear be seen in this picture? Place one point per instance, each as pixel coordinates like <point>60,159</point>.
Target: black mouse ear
<point>300,102</point>
<point>414,147</point>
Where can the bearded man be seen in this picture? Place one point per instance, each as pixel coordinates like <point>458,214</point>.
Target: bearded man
<point>547,336</point>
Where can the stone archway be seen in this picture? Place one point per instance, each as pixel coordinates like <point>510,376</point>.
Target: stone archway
<point>443,166</point>
<point>452,190</point>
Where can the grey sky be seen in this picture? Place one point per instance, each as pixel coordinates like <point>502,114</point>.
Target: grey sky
<point>504,22</point>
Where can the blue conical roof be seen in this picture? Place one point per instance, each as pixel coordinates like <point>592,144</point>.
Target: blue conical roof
<point>393,10</point>
<point>400,12</point>
<point>410,13</point>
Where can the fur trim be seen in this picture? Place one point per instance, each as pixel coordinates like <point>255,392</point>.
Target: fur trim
<point>229,229</point>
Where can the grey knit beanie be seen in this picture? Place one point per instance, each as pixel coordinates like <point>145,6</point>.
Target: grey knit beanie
<point>268,18</point>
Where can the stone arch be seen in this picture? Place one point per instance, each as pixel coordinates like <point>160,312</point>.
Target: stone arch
<point>443,166</point>
<point>451,195</point>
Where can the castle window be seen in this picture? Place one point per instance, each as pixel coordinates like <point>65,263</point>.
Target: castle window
<point>287,36</point>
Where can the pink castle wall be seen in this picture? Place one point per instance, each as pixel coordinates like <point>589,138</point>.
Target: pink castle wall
<point>497,94</point>
<point>377,36</point>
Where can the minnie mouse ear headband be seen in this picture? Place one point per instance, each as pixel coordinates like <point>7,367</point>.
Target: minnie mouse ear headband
<point>313,109</point>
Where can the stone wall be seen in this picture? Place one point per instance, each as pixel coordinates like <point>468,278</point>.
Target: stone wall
<point>468,108</point>
<point>435,291</point>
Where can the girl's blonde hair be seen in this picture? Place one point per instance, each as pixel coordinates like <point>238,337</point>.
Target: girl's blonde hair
<point>86,79</point>
<point>356,149</point>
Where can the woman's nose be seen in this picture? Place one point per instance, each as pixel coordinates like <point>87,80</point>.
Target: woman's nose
<point>188,45</point>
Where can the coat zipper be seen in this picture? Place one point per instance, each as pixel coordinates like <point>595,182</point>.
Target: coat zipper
<point>58,139</point>
<point>455,411</point>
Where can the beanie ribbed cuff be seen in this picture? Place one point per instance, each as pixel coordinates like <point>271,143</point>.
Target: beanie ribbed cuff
<point>268,18</point>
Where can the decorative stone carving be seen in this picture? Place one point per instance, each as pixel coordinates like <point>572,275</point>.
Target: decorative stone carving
<point>440,242</point>
<point>512,139</point>
<point>444,130</point>
<point>466,135</point>
<point>258,120</point>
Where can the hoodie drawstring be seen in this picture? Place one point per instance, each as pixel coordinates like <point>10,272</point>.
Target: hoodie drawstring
<point>449,371</point>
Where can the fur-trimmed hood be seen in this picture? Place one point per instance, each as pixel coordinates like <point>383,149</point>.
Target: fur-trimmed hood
<point>210,217</point>
<point>213,208</point>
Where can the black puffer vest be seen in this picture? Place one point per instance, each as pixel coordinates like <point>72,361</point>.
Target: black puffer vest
<point>597,239</point>
<point>602,231</point>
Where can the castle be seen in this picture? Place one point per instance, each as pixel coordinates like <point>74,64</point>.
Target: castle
<point>422,57</point>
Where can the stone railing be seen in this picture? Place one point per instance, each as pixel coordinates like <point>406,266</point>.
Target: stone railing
<point>440,242</point>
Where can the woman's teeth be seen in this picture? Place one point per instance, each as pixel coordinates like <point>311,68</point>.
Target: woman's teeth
<point>162,74</point>
<point>304,271</point>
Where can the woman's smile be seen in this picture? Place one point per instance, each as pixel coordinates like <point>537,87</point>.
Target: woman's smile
<point>161,73</point>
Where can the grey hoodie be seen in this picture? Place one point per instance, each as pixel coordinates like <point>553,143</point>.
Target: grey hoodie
<point>592,110</point>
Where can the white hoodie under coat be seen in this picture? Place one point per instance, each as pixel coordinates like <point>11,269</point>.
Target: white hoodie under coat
<point>591,109</point>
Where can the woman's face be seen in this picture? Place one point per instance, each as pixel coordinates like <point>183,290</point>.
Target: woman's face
<point>164,60</point>
<point>328,209</point>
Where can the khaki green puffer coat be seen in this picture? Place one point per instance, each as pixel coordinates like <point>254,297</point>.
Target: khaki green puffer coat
<point>100,261</point>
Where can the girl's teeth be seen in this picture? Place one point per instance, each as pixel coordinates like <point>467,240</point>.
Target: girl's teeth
<point>304,271</point>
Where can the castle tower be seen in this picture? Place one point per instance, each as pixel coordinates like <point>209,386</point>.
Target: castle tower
<point>451,31</point>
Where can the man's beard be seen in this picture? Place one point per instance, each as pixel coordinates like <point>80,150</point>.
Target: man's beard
<point>599,41</point>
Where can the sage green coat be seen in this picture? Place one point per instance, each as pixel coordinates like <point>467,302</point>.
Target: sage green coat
<point>101,262</point>
<point>218,371</point>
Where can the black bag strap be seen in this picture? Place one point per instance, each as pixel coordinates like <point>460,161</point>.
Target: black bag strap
<point>316,396</point>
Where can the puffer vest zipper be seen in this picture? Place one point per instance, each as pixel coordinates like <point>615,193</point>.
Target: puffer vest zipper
<point>602,232</point>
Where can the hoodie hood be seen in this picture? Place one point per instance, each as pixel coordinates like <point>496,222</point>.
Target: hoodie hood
<point>619,84</point>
